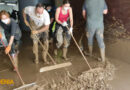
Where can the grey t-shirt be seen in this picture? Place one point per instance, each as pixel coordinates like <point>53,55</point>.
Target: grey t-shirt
<point>11,29</point>
<point>105,6</point>
<point>94,10</point>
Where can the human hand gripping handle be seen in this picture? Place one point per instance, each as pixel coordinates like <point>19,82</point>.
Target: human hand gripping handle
<point>34,32</point>
<point>7,49</point>
<point>71,30</point>
<point>64,24</point>
<point>0,35</point>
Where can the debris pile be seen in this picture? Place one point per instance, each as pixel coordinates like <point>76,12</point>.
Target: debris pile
<point>95,79</point>
<point>116,29</point>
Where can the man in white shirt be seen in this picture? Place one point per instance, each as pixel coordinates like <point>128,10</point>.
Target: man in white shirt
<point>39,21</point>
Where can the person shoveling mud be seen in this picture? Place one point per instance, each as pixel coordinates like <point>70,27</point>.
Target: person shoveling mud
<point>64,17</point>
<point>40,21</point>
<point>93,13</point>
<point>11,40</point>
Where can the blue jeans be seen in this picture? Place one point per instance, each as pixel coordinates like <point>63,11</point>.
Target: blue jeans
<point>99,36</point>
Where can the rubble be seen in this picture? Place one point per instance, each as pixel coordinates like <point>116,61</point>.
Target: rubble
<point>116,30</point>
<point>95,79</point>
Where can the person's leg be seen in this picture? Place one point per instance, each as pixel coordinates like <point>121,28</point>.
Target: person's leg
<point>100,40</point>
<point>45,46</point>
<point>90,36</point>
<point>59,39</point>
<point>35,39</point>
<point>35,48</point>
<point>17,44</point>
<point>67,38</point>
<point>14,53</point>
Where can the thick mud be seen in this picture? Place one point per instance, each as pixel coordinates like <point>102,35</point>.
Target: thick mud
<point>94,79</point>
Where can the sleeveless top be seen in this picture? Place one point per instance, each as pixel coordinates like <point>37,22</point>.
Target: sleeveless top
<point>62,17</point>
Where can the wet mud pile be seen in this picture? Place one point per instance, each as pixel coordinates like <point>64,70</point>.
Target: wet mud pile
<point>95,79</point>
<point>116,29</point>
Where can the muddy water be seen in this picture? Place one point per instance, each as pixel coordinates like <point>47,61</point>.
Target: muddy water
<point>120,51</point>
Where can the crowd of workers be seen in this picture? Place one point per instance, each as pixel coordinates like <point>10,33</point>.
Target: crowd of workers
<point>56,24</point>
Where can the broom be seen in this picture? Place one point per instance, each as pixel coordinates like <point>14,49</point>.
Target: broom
<point>17,71</point>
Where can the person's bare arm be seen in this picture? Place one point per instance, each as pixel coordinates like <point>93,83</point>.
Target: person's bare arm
<point>71,17</point>
<point>57,16</point>
<point>105,11</point>
<point>11,41</point>
<point>84,14</point>
<point>52,19</point>
<point>44,28</point>
<point>25,18</point>
<point>8,48</point>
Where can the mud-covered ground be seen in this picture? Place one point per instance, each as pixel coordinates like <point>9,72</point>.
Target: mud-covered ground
<point>117,51</point>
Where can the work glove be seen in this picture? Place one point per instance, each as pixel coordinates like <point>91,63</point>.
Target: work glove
<point>0,35</point>
<point>64,24</point>
<point>71,30</point>
<point>7,50</point>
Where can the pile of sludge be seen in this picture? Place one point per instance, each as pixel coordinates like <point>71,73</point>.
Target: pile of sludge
<point>94,79</point>
<point>116,29</point>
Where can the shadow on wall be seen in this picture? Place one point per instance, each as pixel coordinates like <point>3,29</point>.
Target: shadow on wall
<point>77,10</point>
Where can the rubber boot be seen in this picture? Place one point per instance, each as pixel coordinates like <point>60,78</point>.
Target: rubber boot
<point>55,52</point>
<point>35,51</point>
<point>16,61</point>
<point>102,52</point>
<point>90,50</point>
<point>65,53</point>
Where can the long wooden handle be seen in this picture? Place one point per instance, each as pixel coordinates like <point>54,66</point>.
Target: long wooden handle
<point>11,59</point>
<point>43,46</point>
<point>80,49</point>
